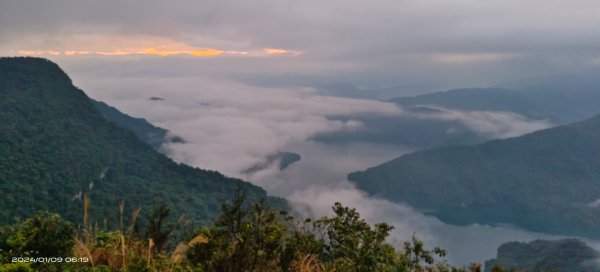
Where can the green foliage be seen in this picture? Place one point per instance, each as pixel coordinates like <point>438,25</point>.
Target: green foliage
<point>415,255</point>
<point>242,239</point>
<point>304,242</point>
<point>42,235</point>
<point>353,245</point>
<point>16,267</point>
<point>56,147</point>
<point>158,229</point>
<point>255,238</point>
<point>524,181</point>
<point>100,268</point>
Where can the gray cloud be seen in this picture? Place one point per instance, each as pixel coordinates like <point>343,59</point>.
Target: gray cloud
<point>489,124</point>
<point>465,25</point>
<point>230,126</point>
<point>370,43</point>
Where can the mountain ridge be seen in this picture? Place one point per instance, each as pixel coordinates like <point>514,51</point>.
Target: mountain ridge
<point>524,181</point>
<point>542,255</point>
<point>144,130</point>
<point>56,146</point>
<point>570,99</point>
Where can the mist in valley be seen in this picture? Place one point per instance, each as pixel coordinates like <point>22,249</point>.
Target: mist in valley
<point>230,126</point>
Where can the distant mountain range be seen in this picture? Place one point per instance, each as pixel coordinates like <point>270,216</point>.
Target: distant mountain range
<point>558,99</point>
<point>547,181</point>
<point>56,147</point>
<point>404,130</point>
<point>560,105</point>
<point>541,256</point>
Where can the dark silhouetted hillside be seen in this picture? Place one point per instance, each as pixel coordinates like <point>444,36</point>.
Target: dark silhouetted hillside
<point>547,181</point>
<point>542,256</point>
<point>56,147</point>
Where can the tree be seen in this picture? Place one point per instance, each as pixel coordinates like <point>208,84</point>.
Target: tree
<point>44,234</point>
<point>354,245</point>
<point>243,238</point>
<point>255,238</point>
<point>415,256</point>
<point>158,229</point>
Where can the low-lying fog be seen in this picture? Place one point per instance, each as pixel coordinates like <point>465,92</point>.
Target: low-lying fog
<point>319,179</point>
<point>230,126</point>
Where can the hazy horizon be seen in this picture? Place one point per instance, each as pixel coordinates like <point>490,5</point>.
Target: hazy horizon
<point>414,47</point>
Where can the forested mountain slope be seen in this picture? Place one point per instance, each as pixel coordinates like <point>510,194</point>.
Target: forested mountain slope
<point>56,148</point>
<point>547,181</point>
<point>148,133</point>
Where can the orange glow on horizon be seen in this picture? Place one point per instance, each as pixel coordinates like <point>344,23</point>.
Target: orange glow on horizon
<point>279,51</point>
<point>163,51</point>
<point>31,52</point>
<point>234,52</point>
<point>143,45</point>
<point>205,52</point>
<point>112,53</point>
<point>200,52</point>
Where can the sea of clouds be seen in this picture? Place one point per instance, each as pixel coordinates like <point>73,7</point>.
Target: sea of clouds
<point>230,126</point>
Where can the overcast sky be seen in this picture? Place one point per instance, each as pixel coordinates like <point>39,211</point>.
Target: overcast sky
<point>420,45</point>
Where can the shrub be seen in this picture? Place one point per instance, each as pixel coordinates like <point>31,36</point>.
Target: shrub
<point>42,235</point>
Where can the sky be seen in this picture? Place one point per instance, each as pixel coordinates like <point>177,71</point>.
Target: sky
<point>416,46</point>
<point>241,79</point>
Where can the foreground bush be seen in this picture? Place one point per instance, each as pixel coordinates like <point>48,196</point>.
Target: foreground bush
<point>244,237</point>
<point>42,235</point>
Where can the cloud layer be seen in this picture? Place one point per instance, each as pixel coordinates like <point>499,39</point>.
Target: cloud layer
<point>419,45</point>
<point>230,126</point>
<point>488,124</point>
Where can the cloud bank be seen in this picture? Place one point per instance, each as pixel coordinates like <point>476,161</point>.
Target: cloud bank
<point>417,45</point>
<point>230,126</point>
<point>488,124</point>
